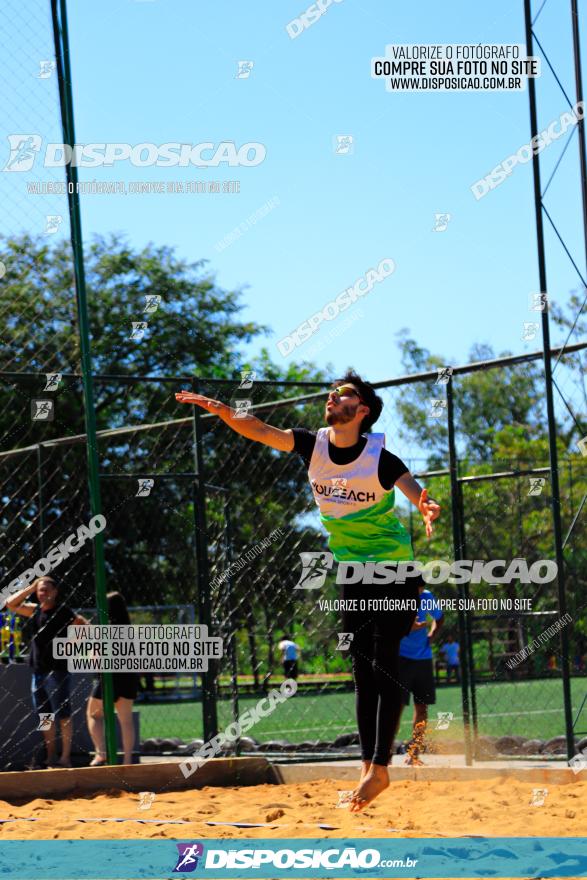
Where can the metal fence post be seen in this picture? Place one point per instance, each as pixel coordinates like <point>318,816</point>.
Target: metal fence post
<point>468,624</point>
<point>209,709</point>
<point>62,58</point>
<point>548,382</point>
<point>456,538</point>
<point>231,621</point>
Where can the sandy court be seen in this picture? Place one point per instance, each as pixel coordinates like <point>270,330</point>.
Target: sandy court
<point>489,807</point>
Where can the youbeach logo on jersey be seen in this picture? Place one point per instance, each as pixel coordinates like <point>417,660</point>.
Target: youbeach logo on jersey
<point>340,490</point>
<point>316,565</point>
<point>24,149</point>
<point>361,287</point>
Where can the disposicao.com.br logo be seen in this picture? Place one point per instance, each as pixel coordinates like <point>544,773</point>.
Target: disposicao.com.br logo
<point>280,857</point>
<point>316,566</point>
<point>24,149</point>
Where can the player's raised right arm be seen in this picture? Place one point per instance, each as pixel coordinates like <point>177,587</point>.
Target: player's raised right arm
<point>250,426</point>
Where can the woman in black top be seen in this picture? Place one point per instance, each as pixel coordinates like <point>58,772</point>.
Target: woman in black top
<point>125,691</point>
<point>50,683</point>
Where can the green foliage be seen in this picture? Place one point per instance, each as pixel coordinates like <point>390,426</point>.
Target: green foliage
<point>198,332</point>
<point>501,426</point>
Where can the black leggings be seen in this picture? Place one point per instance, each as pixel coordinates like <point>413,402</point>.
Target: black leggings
<point>375,656</point>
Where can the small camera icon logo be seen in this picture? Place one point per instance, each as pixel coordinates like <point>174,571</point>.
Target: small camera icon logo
<point>152,302</point>
<point>441,222</point>
<point>530,330</point>
<point>52,381</point>
<point>46,69</point>
<point>437,407</point>
<point>46,720</point>
<point>538,797</point>
<point>138,329</point>
<point>444,374</point>
<point>344,144</point>
<point>241,408</point>
<point>52,223</point>
<point>146,799</point>
<point>443,720</point>
<point>244,69</point>
<point>247,379</point>
<point>538,302</point>
<point>42,410</point>
<point>315,567</point>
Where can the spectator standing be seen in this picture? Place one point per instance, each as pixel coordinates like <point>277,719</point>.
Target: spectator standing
<point>125,686</point>
<point>451,650</point>
<point>290,655</point>
<point>51,680</point>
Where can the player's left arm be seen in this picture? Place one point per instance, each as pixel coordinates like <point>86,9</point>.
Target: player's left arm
<point>414,492</point>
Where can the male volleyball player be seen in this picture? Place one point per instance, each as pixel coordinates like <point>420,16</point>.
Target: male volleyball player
<point>352,477</point>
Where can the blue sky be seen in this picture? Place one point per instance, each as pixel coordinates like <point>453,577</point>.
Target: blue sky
<point>165,71</point>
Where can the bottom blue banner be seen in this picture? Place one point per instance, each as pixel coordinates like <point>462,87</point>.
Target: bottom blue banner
<point>379,858</point>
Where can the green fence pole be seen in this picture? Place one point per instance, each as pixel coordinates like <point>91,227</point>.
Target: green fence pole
<point>468,625</point>
<point>62,59</point>
<point>457,552</point>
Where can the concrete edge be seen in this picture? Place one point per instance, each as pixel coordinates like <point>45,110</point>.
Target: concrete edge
<point>222,772</point>
<point>293,773</point>
<point>219,772</point>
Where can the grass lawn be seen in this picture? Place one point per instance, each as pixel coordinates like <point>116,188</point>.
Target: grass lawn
<point>530,708</point>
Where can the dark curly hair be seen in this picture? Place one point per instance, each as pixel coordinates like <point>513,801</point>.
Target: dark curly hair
<point>368,396</point>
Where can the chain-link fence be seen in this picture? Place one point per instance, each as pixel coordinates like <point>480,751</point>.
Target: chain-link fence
<point>202,525</point>
<point>177,474</point>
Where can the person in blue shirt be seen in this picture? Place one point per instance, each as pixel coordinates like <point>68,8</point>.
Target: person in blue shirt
<point>289,658</point>
<point>451,649</point>
<point>416,672</point>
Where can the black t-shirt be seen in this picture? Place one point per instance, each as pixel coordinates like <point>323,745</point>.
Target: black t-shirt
<point>391,468</point>
<point>47,625</point>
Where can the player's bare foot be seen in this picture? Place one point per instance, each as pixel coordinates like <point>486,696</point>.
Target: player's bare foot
<point>376,781</point>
